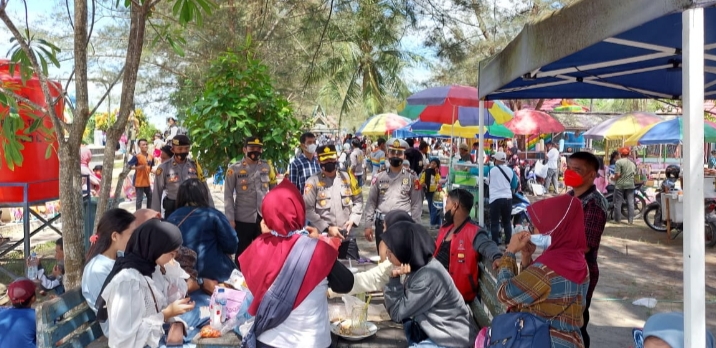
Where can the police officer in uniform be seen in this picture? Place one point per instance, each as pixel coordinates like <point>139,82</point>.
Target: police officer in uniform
<point>334,199</point>
<point>395,188</point>
<point>172,173</point>
<point>251,180</point>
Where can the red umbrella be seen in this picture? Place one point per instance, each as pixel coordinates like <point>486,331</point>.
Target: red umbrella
<point>527,122</point>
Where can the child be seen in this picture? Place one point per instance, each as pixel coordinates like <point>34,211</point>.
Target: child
<point>430,182</point>
<point>18,321</point>
<point>97,170</point>
<point>54,280</point>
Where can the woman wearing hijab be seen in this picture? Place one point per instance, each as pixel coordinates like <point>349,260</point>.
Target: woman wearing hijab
<point>428,304</point>
<point>289,273</point>
<point>665,330</point>
<point>554,286</point>
<point>376,278</point>
<point>134,304</point>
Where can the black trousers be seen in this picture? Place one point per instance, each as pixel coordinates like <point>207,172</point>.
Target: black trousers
<point>378,233</point>
<point>246,232</point>
<point>170,205</point>
<point>501,215</point>
<point>585,314</point>
<point>141,192</point>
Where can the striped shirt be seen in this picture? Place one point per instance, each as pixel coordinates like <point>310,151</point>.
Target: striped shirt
<point>544,293</point>
<point>377,159</point>
<point>301,169</point>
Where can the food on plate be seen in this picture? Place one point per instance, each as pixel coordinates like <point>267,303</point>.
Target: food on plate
<point>346,328</point>
<point>209,332</point>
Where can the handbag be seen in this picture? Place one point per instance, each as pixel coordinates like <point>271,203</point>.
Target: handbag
<point>175,335</point>
<point>521,330</point>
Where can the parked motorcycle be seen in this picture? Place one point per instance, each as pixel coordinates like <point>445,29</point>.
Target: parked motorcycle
<point>653,218</point>
<point>640,199</point>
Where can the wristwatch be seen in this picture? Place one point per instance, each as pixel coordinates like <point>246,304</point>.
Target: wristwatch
<point>200,281</point>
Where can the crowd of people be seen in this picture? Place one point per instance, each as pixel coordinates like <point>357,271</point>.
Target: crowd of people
<point>148,274</point>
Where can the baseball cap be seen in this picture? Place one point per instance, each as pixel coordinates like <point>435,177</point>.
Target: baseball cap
<point>463,146</point>
<point>624,151</point>
<point>20,290</point>
<point>670,328</point>
<point>500,156</point>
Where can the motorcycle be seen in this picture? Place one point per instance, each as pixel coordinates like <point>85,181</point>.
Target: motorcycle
<point>640,199</point>
<point>653,218</point>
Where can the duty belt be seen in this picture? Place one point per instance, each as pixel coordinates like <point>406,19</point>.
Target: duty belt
<point>381,217</point>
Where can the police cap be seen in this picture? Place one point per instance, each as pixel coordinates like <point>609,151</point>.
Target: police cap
<point>253,141</point>
<point>397,144</point>
<point>181,140</point>
<point>327,152</point>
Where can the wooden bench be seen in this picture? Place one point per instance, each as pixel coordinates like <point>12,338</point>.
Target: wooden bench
<point>67,322</point>
<point>487,307</point>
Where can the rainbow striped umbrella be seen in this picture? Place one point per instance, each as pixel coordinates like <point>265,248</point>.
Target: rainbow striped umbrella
<point>496,131</point>
<point>622,127</point>
<point>446,104</point>
<point>382,124</point>
<point>668,132</point>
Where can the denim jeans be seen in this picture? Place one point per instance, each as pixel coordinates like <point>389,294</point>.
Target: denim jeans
<point>501,215</point>
<point>434,213</point>
<point>426,343</point>
<point>359,178</point>
<point>619,196</point>
<point>552,178</point>
<point>141,192</point>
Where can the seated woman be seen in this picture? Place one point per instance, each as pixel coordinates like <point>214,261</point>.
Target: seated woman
<point>461,243</point>
<point>206,231</point>
<point>377,277</point>
<point>428,304</point>
<point>133,302</point>
<point>554,286</point>
<point>289,273</point>
<point>113,231</point>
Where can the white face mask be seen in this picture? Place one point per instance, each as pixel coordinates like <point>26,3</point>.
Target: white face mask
<point>541,240</point>
<point>311,148</point>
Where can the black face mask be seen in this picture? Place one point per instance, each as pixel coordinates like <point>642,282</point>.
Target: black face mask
<point>181,156</point>
<point>448,219</point>
<point>396,162</point>
<point>254,155</point>
<point>329,167</point>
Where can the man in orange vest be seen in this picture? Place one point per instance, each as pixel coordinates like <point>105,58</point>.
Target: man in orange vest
<point>142,164</point>
<point>461,243</point>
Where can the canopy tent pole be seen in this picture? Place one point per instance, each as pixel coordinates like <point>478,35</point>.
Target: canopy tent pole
<point>481,164</point>
<point>693,249</point>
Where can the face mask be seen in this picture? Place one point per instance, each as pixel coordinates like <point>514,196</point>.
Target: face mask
<point>449,218</point>
<point>311,148</point>
<point>572,178</point>
<point>254,155</point>
<point>329,167</point>
<point>181,156</point>
<point>541,240</point>
<point>396,162</point>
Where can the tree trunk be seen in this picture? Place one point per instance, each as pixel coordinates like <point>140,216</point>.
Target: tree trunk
<point>539,104</point>
<point>138,17</point>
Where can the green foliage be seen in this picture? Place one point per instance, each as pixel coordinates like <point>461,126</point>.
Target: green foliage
<point>239,100</point>
<point>18,130</point>
<point>42,50</point>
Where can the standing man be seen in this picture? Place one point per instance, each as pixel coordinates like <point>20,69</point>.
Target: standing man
<point>424,149</point>
<point>357,161</point>
<point>396,188</point>
<point>377,158</point>
<point>502,181</point>
<point>334,200</point>
<point>305,164</point>
<point>624,172</point>
<point>251,180</point>
<point>464,153</point>
<point>552,168</point>
<point>582,168</point>
<point>142,164</point>
<point>172,173</point>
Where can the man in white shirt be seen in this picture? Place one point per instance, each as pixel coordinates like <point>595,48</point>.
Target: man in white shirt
<point>500,182</point>
<point>553,161</point>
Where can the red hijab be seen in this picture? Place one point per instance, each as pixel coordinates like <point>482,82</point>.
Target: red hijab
<point>562,218</point>
<point>283,212</point>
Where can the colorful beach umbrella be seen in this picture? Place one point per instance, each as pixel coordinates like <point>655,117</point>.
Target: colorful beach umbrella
<point>622,127</point>
<point>668,132</point>
<point>382,124</point>
<point>458,130</point>
<point>529,122</point>
<point>441,105</point>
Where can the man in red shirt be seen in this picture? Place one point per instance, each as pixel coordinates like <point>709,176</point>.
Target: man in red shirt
<point>581,171</point>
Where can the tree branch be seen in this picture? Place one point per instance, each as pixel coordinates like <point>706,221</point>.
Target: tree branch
<point>106,93</point>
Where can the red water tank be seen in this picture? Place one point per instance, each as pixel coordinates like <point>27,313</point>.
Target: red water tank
<point>42,174</point>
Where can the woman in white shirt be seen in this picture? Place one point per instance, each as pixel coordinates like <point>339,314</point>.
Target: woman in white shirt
<point>134,304</point>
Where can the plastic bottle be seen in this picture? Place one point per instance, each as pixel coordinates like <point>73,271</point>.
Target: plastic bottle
<point>218,310</point>
<point>32,266</point>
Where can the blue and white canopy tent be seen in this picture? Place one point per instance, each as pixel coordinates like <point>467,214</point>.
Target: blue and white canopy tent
<point>625,49</point>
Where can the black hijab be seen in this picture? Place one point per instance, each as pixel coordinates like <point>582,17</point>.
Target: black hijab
<point>395,216</point>
<point>410,243</point>
<point>149,241</point>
